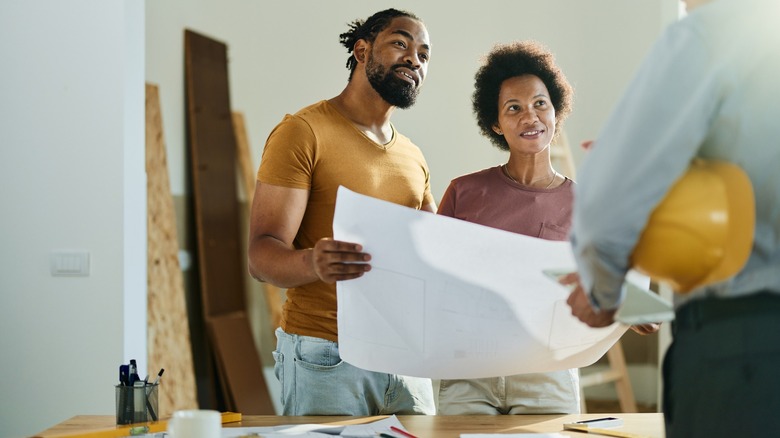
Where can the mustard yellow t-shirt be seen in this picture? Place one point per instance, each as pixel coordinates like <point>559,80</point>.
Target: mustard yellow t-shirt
<point>318,149</point>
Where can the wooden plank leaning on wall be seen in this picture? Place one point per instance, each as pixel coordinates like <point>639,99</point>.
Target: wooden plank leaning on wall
<point>212,146</point>
<point>168,332</point>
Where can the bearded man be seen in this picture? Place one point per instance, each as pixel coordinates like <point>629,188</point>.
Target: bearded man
<point>344,141</point>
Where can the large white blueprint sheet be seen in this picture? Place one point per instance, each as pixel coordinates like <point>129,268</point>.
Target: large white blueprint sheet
<point>449,299</point>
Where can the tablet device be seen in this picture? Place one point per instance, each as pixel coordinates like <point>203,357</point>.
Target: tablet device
<point>640,305</point>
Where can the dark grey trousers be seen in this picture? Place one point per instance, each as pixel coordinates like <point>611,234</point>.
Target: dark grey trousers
<point>721,375</point>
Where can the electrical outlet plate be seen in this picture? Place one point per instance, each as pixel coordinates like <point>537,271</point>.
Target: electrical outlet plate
<point>69,263</point>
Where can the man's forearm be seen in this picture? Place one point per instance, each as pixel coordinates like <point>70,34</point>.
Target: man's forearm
<point>272,261</point>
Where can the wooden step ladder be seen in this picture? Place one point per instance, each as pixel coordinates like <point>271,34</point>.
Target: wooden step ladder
<point>563,161</point>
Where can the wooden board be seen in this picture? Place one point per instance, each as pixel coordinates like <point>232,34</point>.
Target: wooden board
<point>212,146</point>
<point>231,334</point>
<point>273,294</point>
<point>168,333</point>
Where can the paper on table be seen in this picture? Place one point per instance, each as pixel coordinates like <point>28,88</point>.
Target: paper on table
<point>450,299</point>
<point>365,430</point>
<point>512,435</point>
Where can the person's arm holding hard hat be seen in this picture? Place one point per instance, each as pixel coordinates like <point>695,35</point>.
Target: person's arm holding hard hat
<point>682,184</point>
<point>644,149</point>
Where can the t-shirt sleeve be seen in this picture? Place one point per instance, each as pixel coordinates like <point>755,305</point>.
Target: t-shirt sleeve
<point>289,155</point>
<point>428,198</point>
<point>447,205</point>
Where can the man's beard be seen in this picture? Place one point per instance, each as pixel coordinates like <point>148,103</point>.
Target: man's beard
<point>393,90</point>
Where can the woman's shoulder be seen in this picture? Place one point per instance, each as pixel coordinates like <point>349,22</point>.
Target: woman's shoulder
<point>478,177</point>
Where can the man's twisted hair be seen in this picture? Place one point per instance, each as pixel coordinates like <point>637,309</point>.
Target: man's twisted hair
<point>368,30</point>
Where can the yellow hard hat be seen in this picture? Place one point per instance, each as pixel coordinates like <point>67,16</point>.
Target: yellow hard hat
<point>702,231</point>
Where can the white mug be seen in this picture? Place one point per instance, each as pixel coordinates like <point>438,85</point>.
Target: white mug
<point>195,423</point>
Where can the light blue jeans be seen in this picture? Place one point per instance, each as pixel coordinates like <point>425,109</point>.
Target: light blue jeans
<point>315,381</point>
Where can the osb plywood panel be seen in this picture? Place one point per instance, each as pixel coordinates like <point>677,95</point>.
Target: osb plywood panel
<point>168,333</point>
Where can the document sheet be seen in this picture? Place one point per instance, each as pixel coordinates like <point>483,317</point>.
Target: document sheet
<point>364,430</point>
<point>449,299</point>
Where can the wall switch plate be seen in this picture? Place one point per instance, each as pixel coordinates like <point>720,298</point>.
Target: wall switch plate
<point>69,263</point>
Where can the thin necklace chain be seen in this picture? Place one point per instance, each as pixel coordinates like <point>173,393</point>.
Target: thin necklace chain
<point>506,172</point>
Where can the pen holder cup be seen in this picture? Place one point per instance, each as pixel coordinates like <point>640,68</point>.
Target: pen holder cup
<point>136,404</point>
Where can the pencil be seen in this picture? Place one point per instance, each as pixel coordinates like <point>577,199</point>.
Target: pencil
<point>402,432</point>
<point>601,431</point>
<point>141,428</point>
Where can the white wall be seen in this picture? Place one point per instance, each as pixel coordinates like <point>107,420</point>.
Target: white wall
<point>72,172</point>
<point>285,55</point>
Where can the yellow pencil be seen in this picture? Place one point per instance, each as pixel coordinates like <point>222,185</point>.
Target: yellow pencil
<point>600,431</point>
<point>140,428</point>
<point>121,431</point>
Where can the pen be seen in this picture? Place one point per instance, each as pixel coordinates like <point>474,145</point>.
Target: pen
<point>402,432</point>
<point>149,407</point>
<point>157,379</point>
<point>149,391</point>
<point>133,372</point>
<point>129,411</point>
<point>124,374</point>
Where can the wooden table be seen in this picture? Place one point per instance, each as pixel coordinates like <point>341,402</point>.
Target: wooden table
<point>649,425</point>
